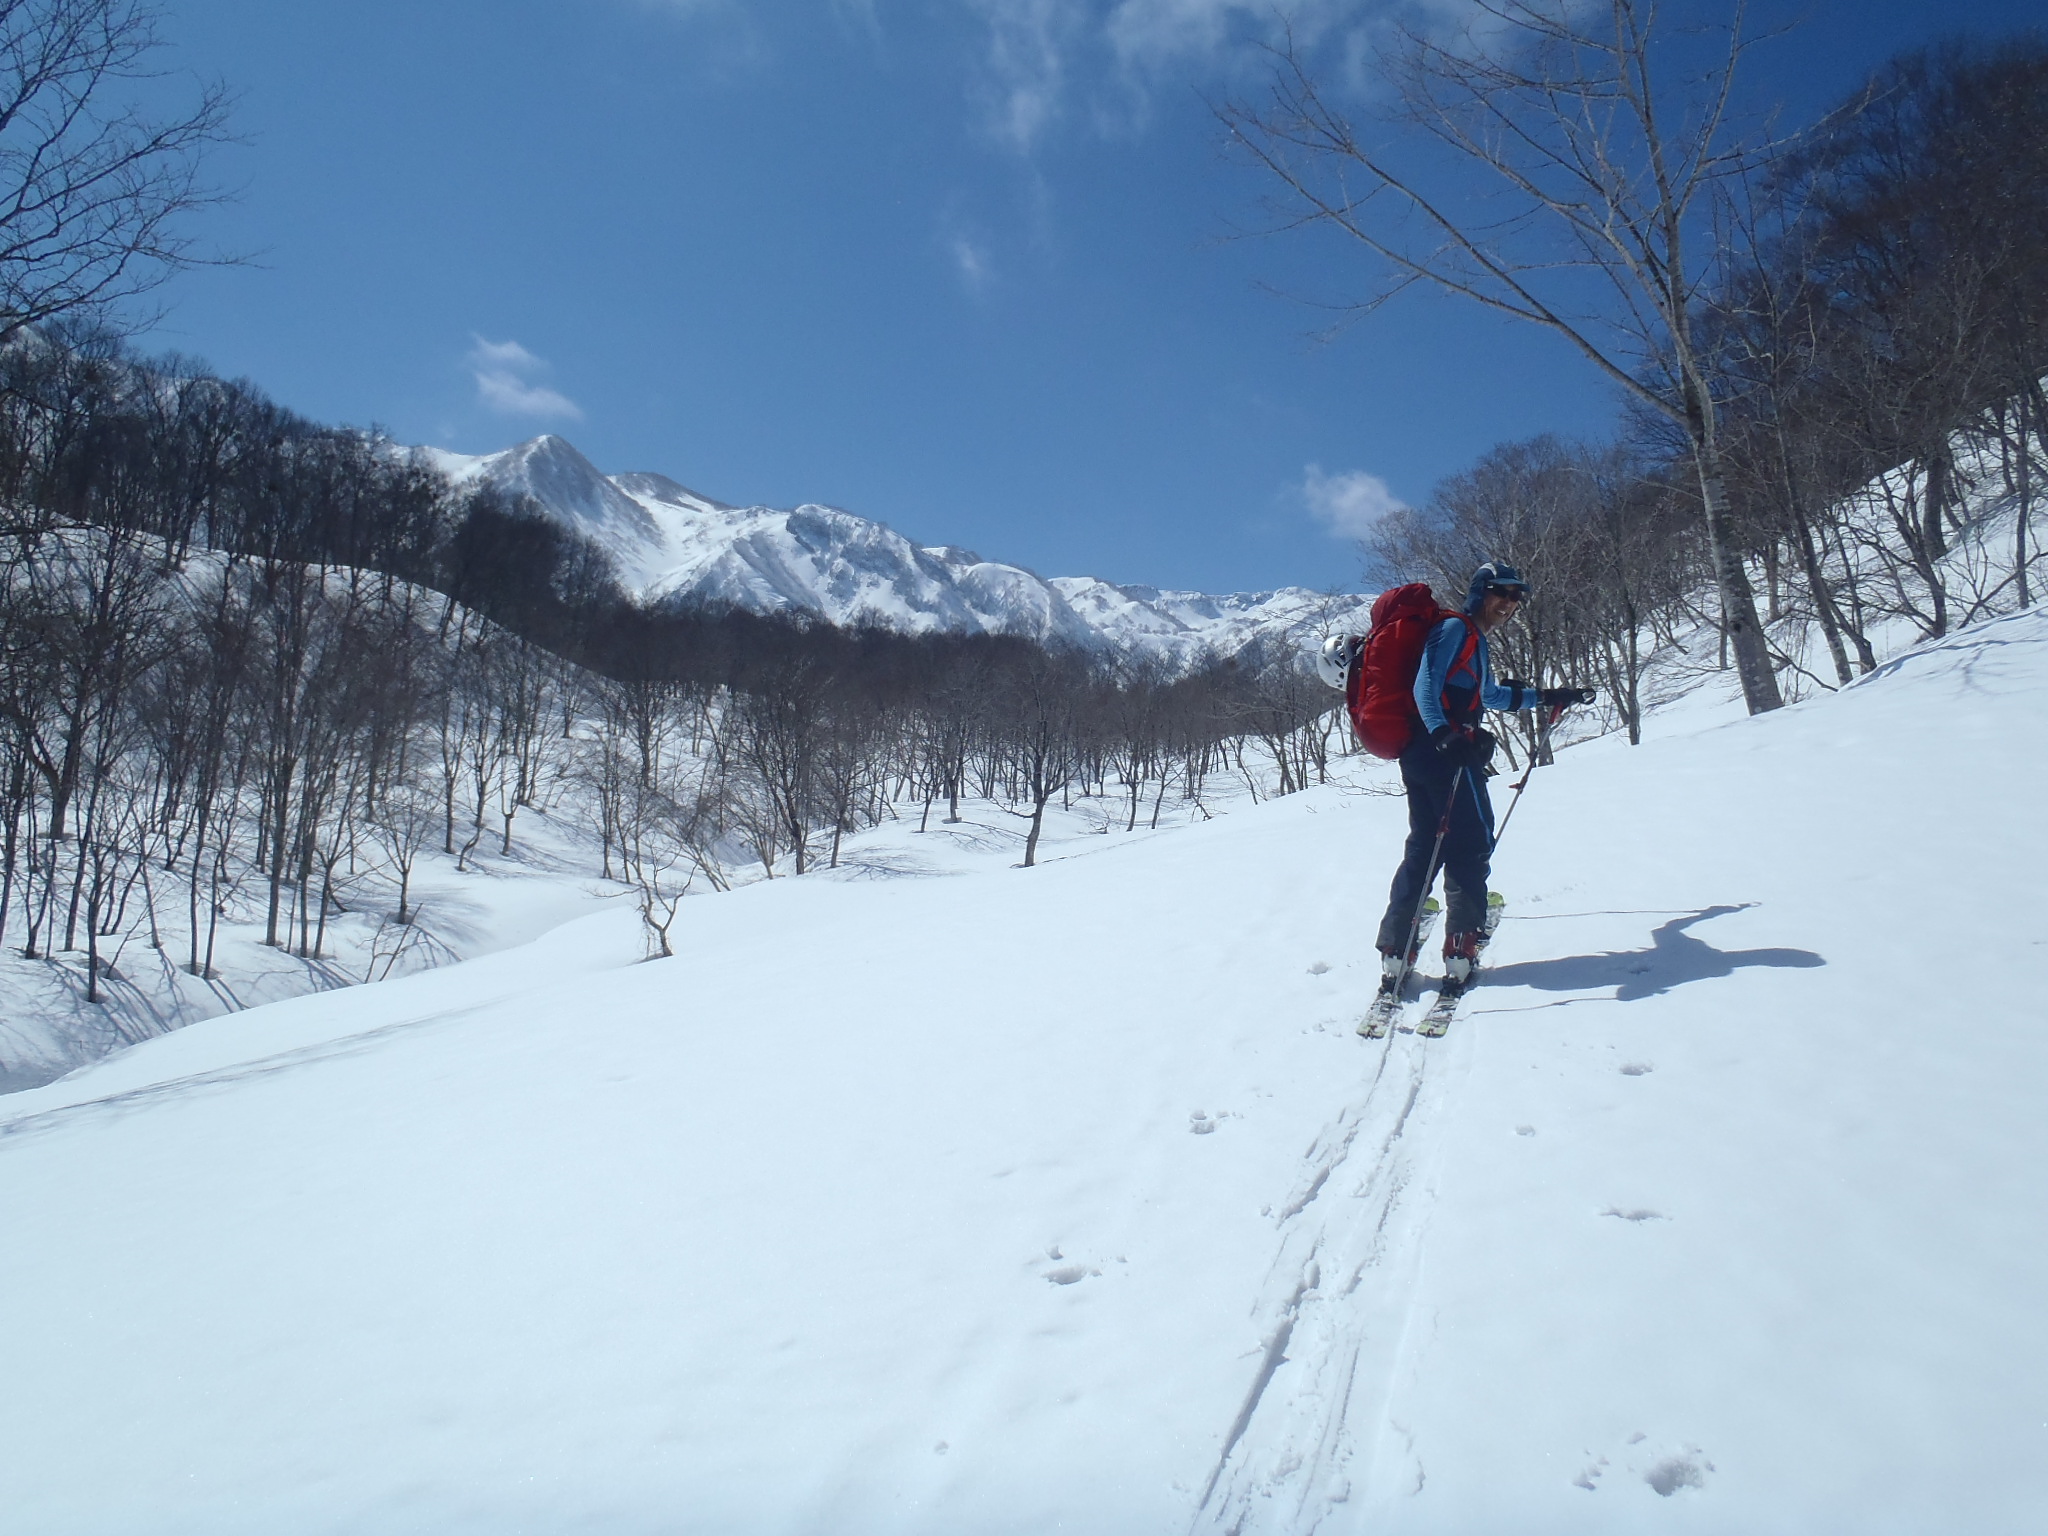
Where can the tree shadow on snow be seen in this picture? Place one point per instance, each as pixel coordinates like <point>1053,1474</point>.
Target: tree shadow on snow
<point>1674,958</point>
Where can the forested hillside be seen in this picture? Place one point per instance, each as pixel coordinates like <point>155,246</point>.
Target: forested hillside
<point>253,667</point>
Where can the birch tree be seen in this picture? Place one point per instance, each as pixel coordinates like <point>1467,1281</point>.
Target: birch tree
<point>1606,134</point>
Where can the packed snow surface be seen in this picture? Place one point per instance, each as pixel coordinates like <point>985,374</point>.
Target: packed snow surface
<point>668,541</point>
<point>1067,1199</point>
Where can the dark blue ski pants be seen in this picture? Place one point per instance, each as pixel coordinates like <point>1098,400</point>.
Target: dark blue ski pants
<point>1467,852</point>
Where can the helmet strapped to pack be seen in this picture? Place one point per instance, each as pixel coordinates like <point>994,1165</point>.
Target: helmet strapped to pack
<point>1335,658</point>
<point>1495,576</point>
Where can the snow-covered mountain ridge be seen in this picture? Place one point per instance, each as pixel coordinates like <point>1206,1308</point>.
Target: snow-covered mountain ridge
<point>671,543</point>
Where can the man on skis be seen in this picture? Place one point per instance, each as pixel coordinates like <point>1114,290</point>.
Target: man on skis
<point>1446,764</point>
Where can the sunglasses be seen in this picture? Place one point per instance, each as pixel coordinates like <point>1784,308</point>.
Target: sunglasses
<point>1506,592</point>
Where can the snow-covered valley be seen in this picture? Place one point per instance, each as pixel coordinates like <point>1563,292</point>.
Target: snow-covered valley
<point>935,1195</point>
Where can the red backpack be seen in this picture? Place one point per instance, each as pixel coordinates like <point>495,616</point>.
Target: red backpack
<point>1379,689</point>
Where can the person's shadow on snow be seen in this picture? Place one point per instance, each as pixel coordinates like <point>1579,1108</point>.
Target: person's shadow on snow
<point>1674,958</point>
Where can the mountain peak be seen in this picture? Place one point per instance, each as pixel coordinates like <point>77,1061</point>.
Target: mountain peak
<point>553,473</point>
<point>671,544</point>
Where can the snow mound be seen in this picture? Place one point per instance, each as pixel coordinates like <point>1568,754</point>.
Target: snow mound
<point>877,1209</point>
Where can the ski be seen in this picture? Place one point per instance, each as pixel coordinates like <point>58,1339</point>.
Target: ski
<point>1445,1004</point>
<point>1448,995</point>
<point>1379,1018</point>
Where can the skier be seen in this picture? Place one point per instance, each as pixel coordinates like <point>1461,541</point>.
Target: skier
<point>1454,685</point>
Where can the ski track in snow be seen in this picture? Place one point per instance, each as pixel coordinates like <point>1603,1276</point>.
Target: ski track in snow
<point>114,1105</point>
<point>1309,1436</point>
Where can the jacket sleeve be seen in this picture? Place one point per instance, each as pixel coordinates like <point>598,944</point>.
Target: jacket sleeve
<point>1438,652</point>
<point>1492,694</point>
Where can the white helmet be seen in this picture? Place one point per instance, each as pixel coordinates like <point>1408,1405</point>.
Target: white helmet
<point>1334,660</point>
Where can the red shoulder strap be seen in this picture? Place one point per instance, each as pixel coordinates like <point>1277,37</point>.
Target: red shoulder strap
<point>1463,658</point>
<point>1471,637</point>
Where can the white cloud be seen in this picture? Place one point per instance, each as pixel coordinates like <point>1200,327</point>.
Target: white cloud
<point>505,381</point>
<point>1348,503</point>
<point>1042,59</point>
<point>504,355</point>
<point>1156,32</point>
<point>972,262</point>
<point>1039,52</point>
<point>1153,32</point>
<point>1028,46</point>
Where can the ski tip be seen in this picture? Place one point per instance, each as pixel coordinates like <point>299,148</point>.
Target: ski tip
<point>1378,1019</point>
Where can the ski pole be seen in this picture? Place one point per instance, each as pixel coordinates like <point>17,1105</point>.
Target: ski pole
<point>1443,828</point>
<point>1542,751</point>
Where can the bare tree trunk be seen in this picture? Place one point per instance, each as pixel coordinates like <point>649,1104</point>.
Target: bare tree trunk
<point>92,935</point>
<point>192,893</point>
<point>2023,490</point>
<point>1038,805</point>
<point>1739,623</point>
<point>213,910</point>
<point>1817,589</point>
<point>1934,505</point>
<point>17,796</point>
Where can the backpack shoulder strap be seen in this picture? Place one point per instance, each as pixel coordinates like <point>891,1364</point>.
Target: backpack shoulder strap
<point>1466,649</point>
<point>1471,641</point>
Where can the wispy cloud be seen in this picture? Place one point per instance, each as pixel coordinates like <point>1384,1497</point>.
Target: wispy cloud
<point>971,261</point>
<point>1156,32</point>
<point>1041,61</point>
<point>506,381</point>
<point>1042,53</point>
<point>1348,503</point>
<point>1029,46</point>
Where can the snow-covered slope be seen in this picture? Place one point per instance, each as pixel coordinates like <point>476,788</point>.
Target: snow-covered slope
<point>670,542</point>
<point>1066,1199</point>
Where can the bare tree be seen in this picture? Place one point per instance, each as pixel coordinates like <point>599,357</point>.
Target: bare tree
<point>1609,159</point>
<point>93,189</point>
<point>780,741</point>
<point>1043,691</point>
<point>666,837</point>
<point>407,816</point>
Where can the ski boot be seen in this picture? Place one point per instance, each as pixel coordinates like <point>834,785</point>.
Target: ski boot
<point>1461,956</point>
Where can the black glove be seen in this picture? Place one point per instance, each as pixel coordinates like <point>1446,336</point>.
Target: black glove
<point>1455,749</point>
<point>1479,751</point>
<point>1564,698</point>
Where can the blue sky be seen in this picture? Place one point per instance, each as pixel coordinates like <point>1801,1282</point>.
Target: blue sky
<point>963,266</point>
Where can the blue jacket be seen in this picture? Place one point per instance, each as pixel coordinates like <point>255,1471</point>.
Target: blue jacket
<point>1445,687</point>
